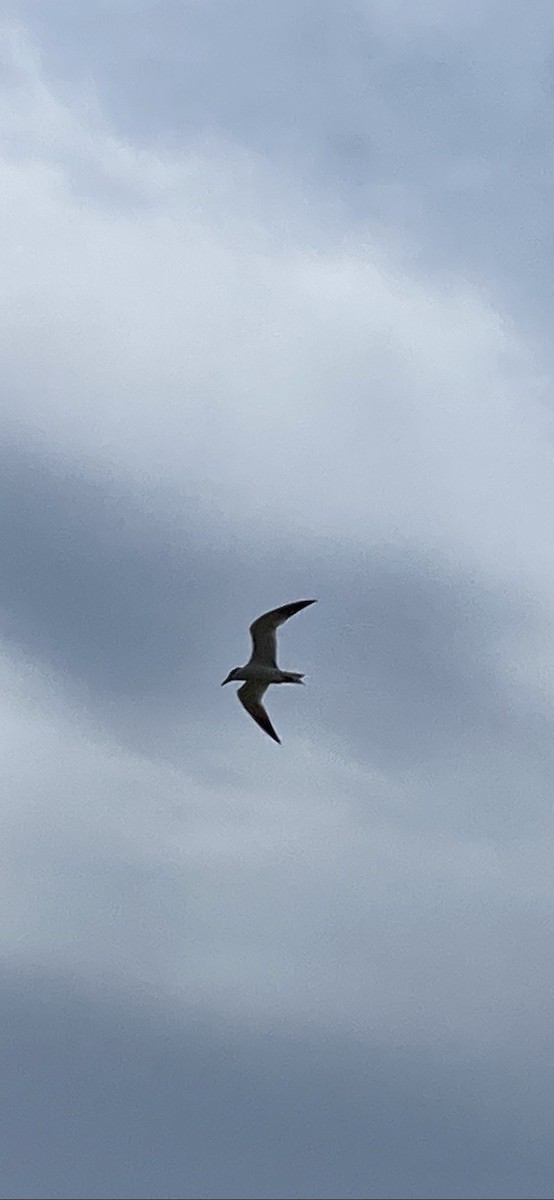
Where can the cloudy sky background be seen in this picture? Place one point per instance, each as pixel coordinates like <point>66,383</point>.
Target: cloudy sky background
<point>276,306</point>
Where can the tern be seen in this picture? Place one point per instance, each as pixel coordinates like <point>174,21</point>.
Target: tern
<point>261,670</point>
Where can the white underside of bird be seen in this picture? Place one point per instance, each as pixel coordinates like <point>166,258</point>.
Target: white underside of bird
<point>261,670</point>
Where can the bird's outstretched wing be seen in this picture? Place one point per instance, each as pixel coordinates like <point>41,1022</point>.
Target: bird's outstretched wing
<point>263,631</point>
<point>250,696</point>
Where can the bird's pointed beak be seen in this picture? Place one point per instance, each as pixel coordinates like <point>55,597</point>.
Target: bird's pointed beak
<point>227,680</point>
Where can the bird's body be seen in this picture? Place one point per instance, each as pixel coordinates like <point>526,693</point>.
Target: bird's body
<point>265,674</point>
<point>261,670</point>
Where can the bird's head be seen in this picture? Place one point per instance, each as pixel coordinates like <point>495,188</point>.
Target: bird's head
<point>234,674</point>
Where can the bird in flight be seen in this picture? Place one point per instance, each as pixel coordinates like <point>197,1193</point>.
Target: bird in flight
<point>261,669</point>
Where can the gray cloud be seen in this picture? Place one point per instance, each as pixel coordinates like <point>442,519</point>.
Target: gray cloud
<point>104,579</point>
<point>126,1100</point>
<point>410,658</point>
<point>94,582</point>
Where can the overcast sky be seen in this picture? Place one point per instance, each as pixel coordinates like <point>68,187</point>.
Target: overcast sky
<point>276,306</point>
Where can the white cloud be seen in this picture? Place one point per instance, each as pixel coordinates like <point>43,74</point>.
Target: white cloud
<point>193,332</point>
